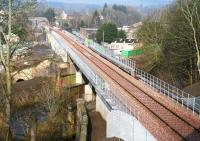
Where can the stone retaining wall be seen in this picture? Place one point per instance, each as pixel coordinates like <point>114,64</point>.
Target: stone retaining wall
<point>82,121</point>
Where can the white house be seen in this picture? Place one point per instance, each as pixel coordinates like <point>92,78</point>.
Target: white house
<point>125,28</point>
<point>63,15</point>
<point>38,22</point>
<point>2,13</point>
<point>123,44</point>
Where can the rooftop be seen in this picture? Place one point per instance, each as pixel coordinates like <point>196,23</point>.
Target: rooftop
<point>93,29</point>
<point>125,41</point>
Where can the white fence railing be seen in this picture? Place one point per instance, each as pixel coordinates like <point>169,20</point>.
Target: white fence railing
<point>172,92</point>
<point>126,64</point>
<point>162,87</point>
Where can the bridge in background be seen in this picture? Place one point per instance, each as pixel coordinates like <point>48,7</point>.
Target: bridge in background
<point>135,104</point>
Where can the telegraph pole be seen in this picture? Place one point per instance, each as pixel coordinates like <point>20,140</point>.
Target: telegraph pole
<point>103,36</point>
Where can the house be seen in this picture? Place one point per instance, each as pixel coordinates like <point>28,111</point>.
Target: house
<point>88,33</point>
<point>38,22</point>
<point>123,44</point>
<point>72,19</point>
<point>125,28</point>
<point>63,15</point>
<point>2,13</point>
<point>125,47</point>
<point>74,16</point>
<point>133,31</point>
<point>14,38</point>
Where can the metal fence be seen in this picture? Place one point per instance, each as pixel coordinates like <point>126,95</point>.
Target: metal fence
<point>126,64</point>
<point>109,94</point>
<point>172,92</point>
<point>162,87</point>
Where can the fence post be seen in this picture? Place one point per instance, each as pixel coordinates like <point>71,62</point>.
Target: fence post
<point>177,94</point>
<point>199,113</point>
<point>150,80</point>
<point>131,65</point>
<point>193,104</point>
<point>153,80</point>
<point>168,91</point>
<point>188,101</point>
<point>182,98</point>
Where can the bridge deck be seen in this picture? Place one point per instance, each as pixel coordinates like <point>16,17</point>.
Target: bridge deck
<point>163,118</point>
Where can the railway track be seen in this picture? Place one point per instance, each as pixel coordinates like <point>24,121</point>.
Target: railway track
<point>184,129</point>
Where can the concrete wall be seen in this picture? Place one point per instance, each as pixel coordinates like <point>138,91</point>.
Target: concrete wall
<point>126,127</point>
<point>101,108</point>
<point>82,121</point>
<point>122,125</point>
<point>88,93</point>
<point>79,78</point>
<point>57,49</point>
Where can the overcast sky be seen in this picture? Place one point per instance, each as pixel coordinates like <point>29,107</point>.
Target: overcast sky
<point>125,2</point>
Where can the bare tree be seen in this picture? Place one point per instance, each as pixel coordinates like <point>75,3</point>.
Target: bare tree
<point>7,41</point>
<point>191,12</point>
<point>5,59</point>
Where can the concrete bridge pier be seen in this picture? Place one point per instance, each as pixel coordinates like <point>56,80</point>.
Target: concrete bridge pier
<point>101,107</point>
<point>79,78</point>
<point>126,127</point>
<point>120,124</point>
<point>66,58</point>
<point>88,94</point>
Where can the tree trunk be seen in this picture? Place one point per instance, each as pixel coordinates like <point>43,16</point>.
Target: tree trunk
<point>7,119</point>
<point>8,97</point>
<point>197,49</point>
<point>33,132</point>
<point>198,61</point>
<point>8,74</point>
<point>196,73</point>
<point>190,17</point>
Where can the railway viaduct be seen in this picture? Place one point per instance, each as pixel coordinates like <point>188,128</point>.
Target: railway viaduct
<point>136,105</point>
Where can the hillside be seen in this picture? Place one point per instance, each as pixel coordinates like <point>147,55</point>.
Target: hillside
<point>72,7</point>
